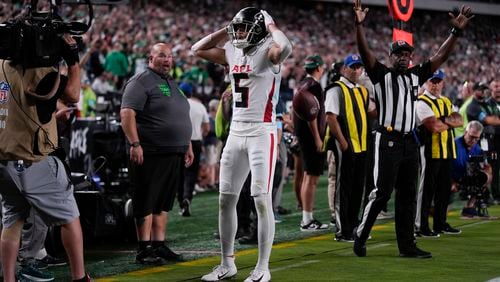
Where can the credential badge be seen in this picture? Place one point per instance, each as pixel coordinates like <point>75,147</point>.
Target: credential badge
<point>4,92</point>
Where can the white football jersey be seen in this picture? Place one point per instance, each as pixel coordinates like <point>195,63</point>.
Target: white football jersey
<point>255,82</point>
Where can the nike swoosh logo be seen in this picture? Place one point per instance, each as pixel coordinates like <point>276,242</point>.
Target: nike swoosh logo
<point>259,278</point>
<point>222,275</point>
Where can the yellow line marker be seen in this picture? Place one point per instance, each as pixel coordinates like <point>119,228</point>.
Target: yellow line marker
<point>152,270</point>
<point>284,245</point>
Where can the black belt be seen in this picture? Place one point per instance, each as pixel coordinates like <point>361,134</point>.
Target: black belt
<point>389,131</point>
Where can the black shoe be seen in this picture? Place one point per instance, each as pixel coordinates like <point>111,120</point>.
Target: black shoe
<point>282,211</point>
<point>35,263</point>
<point>185,208</point>
<point>449,230</point>
<point>359,246</point>
<point>248,240</point>
<point>427,233</point>
<point>148,257</point>
<point>167,254</point>
<point>415,253</point>
<point>53,261</point>
<point>242,232</point>
<point>342,238</point>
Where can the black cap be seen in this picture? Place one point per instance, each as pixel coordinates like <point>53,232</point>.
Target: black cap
<point>480,86</point>
<point>400,45</point>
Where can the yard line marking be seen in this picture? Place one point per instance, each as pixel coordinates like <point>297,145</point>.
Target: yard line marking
<point>293,265</point>
<point>496,279</point>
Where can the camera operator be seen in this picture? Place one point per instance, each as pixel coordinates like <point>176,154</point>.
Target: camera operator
<point>471,172</point>
<point>485,110</point>
<point>31,171</point>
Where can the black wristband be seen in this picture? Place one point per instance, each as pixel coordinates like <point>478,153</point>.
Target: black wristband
<point>456,32</point>
<point>70,54</point>
<point>358,23</point>
<point>135,144</point>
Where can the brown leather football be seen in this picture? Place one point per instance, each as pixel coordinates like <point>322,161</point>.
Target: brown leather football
<point>305,105</point>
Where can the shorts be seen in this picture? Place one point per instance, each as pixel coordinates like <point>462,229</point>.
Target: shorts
<point>243,154</point>
<point>312,161</point>
<point>155,183</point>
<point>42,185</point>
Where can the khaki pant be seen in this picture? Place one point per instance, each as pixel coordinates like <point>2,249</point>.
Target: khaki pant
<point>332,176</point>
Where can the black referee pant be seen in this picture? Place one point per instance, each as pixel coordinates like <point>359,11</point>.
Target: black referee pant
<point>191,173</point>
<point>435,185</point>
<point>395,166</point>
<point>349,190</point>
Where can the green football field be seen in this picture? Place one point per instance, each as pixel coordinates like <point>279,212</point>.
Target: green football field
<point>473,255</point>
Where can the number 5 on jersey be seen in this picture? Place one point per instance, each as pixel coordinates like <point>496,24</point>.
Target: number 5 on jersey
<point>240,92</point>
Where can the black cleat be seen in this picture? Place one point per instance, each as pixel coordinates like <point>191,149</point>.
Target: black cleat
<point>449,230</point>
<point>359,246</point>
<point>148,257</point>
<point>185,208</point>
<point>415,253</point>
<point>167,254</point>
<point>427,234</point>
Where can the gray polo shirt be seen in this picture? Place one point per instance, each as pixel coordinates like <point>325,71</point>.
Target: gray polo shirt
<point>162,112</point>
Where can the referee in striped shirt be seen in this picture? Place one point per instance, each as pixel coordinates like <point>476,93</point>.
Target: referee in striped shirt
<point>396,144</point>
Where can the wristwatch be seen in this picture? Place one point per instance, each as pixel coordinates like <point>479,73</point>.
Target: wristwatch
<point>136,144</point>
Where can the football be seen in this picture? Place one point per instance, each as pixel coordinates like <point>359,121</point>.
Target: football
<point>305,105</point>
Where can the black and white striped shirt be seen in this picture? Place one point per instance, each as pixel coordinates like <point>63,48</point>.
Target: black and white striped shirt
<point>396,93</point>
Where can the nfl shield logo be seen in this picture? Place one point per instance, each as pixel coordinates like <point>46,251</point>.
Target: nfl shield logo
<point>4,92</point>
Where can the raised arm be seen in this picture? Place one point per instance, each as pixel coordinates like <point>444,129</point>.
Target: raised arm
<point>458,23</point>
<point>360,14</point>
<point>282,47</point>
<point>207,48</point>
<point>70,55</point>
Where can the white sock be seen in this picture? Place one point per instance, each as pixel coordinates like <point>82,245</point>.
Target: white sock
<point>228,224</point>
<point>307,217</point>
<point>265,229</point>
<point>41,253</point>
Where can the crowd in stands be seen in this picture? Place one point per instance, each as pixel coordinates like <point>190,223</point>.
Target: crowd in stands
<point>118,42</point>
<point>125,31</point>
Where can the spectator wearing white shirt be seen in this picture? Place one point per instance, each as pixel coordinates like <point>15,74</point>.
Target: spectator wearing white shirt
<point>201,125</point>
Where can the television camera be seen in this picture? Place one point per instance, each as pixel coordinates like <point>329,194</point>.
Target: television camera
<point>473,184</point>
<point>34,39</point>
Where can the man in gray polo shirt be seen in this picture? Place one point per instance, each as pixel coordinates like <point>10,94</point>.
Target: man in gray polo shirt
<point>155,119</point>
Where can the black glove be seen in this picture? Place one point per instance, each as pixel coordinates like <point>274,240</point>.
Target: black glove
<point>70,54</point>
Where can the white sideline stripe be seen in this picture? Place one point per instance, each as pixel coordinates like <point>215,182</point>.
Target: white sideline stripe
<point>294,265</point>
<point>475,223</point>
<point>496,279</point>
<point>371,247</point>
<point>377,246</point>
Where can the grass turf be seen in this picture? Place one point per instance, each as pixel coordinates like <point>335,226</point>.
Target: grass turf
<point>305,256</point>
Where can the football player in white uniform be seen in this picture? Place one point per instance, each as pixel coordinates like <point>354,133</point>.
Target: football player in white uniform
<point>253,53</point>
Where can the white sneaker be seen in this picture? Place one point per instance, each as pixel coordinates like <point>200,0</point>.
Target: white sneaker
<point>314,225</point>
<point>259,276</point>
<point>220,272</point>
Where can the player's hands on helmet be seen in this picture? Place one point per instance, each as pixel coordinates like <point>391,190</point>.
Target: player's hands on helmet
<point>359,12</point>
<point>268,20</point>
<point>460,21</point>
